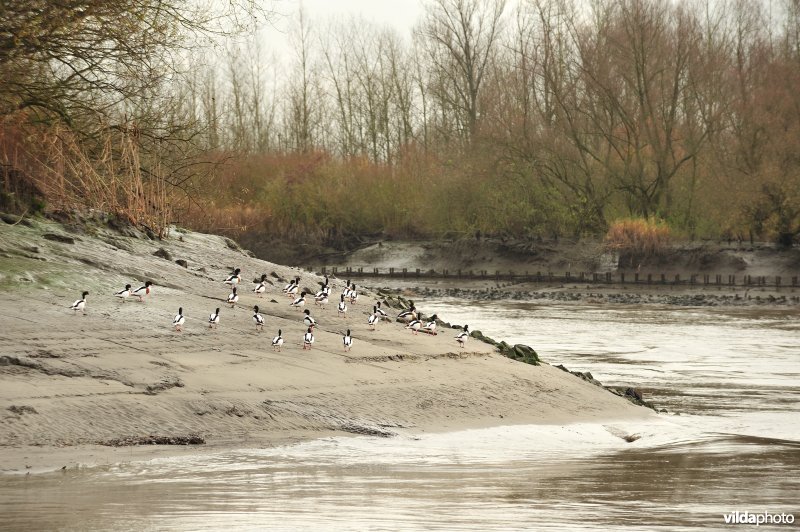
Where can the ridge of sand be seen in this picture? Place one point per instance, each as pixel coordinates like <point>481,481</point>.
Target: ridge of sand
<point>69,382</point>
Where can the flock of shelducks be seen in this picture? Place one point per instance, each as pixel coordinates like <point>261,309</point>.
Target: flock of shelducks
<point>413,319</point>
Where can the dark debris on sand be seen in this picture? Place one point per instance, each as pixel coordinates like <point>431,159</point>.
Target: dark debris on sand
<point>191,439</point>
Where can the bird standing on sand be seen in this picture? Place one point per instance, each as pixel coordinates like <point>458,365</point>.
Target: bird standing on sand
<point>277,342</point>
<point>261,287</point>
<point>286,288</point>
<point>373,319</point>
<point>430,325</point>
<point>308,321</point>
<point>324,288</point>
<point>179,320</point>
<point>346,290</point>
<point>308,339</point>
<point>213,319</point>
<point>258,319</point>
<point>292,291</point>
<point>124,294</point>
<point>353,295</point>
<point>321,299</point>
<point>234,278</point>
<point>462,337</point>
<point>415,325</point>
<point>300,302</point>
<point>380,311</point>
<point>342,308</point>
<point>142,291</point>
<point>347,340</point>
<point>292,283</point>
<point>408,315</point>
<point>233,298</point>
<point>80,304</point>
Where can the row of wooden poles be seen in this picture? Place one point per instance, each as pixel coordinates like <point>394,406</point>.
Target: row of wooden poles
<point>567,277</point>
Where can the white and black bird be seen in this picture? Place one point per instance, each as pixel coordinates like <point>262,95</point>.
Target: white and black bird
<point>213,319</point>
<point>374,318</point>
<point>234,278</point>
<point>308,321</point>
<point>342,307</point>
<point>324,289</point>
<point>308,339</point>
<point>321,299</point>
<point>143,291</point>
<point>380,311</point>
<point>430,325</point>
<point>277,342</point>
<point>346,290</point>
<point>292,291</point>
<point>415,325</point>
<point>233,298</point>
<point>462,337</point>
<point>258,319</point>
<point>347,340</point>
<point>124,293</point>
<point>300,302</point>
<point>261,287</point>
<point>408,315</point>
<point>80,304</point>
<point>289,286</point>
<point>179,320</point>
<point>353,294</point>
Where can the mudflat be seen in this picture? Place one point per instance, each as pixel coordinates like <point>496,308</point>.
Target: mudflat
<point>119,383</point>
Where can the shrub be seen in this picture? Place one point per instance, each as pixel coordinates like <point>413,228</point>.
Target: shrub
<point>638,237</point>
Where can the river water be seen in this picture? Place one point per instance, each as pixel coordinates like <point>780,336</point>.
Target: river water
<point>732,375</point>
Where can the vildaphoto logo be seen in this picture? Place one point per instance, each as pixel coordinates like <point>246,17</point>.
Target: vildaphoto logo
<point>765,518</point>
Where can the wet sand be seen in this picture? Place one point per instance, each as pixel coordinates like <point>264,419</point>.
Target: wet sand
<point>70,384</point>
<point>730,373</point>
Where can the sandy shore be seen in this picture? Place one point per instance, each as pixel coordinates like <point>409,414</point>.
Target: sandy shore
<point>69,384</point>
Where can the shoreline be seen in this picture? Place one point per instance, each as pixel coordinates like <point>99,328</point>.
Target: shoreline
<point>598,294</point>
<point>69,382</point>
<point>236,424</point>
<point>43,460</point>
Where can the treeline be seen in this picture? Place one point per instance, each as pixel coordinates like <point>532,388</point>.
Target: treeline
<point>92,103</point>
<point>545,118</point>
<point>553,118</point>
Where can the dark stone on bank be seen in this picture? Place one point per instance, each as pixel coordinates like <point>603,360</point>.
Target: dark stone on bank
<point>23,409</point>
<point>191,439</point>
<point>55,237</point>
<point>163,253</point>
<point>586,376</point>
<point>182,262</point>
<point>633,395</point>
<point>12,219</point>
<point>519,352</point>
<point>232,245</point>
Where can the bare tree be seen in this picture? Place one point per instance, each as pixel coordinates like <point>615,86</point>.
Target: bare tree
<point>303,113</point>
<point>461,37</point>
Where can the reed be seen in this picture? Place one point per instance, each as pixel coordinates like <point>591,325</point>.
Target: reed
<point>109,175</point>
<point>638,237</point>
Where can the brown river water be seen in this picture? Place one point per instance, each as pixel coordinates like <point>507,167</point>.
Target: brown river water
<point>732,375</point>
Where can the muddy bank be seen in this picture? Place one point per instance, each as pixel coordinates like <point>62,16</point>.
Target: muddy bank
<point>493,254</point>
<point>75,385</point>
<point>604,295</point>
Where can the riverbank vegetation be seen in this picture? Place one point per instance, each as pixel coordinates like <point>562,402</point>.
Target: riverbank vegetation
<point>546,118</point>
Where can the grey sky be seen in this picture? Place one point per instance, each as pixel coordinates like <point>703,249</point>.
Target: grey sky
<point>399,14</point>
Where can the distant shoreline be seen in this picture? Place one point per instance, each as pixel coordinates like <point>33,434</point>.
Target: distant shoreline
<point>576,293</point>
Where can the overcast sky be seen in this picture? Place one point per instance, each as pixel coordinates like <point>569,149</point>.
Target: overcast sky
<point>400,14</point>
